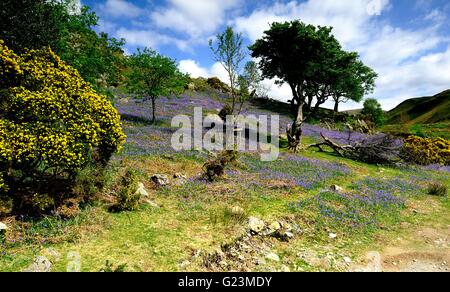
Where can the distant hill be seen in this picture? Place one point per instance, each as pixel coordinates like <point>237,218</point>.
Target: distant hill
<point>422,110</point>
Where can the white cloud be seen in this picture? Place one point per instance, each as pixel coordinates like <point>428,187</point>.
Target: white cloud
<point>196,18</point>
<point>151,38</point>
<point>406,60</point>
<point>120,8</point>
<point>194,69</point>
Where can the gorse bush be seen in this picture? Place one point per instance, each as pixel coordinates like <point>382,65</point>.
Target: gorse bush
<point>426,151</point>
<point>127,197</point>
<point>52,123</point>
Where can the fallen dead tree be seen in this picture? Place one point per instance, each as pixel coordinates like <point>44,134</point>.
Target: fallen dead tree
<point>378,149</point>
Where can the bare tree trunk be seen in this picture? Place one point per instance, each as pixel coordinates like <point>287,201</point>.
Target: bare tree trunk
<point>153,109</point>
<point>294,132</point>
<point>336,106</point>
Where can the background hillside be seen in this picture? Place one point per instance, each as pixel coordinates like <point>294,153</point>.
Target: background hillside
<point>423,110</point>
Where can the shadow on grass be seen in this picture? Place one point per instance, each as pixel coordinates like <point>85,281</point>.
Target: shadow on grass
<point>143,121</point>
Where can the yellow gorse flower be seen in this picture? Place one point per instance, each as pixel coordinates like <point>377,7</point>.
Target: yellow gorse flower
<point>51,117</point>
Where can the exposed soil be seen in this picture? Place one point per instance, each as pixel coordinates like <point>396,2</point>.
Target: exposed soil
<point>425,250</point>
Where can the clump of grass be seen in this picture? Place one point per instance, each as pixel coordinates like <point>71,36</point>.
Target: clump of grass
<point>127,197</point>
<point>110,268</point>
<point>437,189</point>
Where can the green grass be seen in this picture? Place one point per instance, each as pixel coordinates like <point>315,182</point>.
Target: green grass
<point>196,216</point>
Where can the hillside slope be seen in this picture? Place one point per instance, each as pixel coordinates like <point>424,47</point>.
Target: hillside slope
<point>423,110</point>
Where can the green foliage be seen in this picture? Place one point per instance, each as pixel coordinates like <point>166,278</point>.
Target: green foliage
<point>252,76</point>
<point>229,52</point>
<point>427,151</point>
<point>152,75</point>
<point>226,111</point>
<point>437,189</point>
<point>217,84</point>
<point>42,202</point>
<point>372,109</point>
<point>34,24</point>
<point>31,24</point>
<point>312,62</point>
<point>52,124</point>
<point>352,80</point>
<point>127,197</point>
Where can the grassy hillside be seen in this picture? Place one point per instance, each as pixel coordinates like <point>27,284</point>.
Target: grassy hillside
<point>192,226</point>
<point>423,110</point>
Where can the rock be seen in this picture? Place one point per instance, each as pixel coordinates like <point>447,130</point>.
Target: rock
<point>180,179</point>
<point>142,191</point>
<point>274,227</point>
<point>256,225</point>
<point>160,180</point>
<point>285,269</point>
<point>347,260</point>
<point>273,257</point>
<point>332,235</point>
<point>40,265</point>
<point>337,189</point>
<point>3,229</point>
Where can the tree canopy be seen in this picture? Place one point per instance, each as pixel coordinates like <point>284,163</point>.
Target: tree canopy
<point>152,75</point>
<point>312,62</point>
<point>229,52</point>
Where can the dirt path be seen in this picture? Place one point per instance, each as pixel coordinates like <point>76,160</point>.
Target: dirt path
<point>425,250</point>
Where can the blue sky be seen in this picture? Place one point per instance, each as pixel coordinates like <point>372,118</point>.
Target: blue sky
<point>406,41</point>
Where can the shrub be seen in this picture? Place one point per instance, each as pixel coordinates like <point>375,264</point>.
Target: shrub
<point>215,167</point>
<point>217,84</point>
<point>52,123</point>
<point>437,189</point>
<point>426,151</point>
<point>127,197</point>
<point>226,111</point>
<point>372,110</point>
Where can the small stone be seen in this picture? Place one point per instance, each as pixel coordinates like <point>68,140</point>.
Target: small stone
<point>40,265</point>
<point>273,257</point>
<point>256,225</point>
<point>285,269</point>
<point>260,262</point>
<point>3,226</point>
<point>347,260</point>
<point>160,180</point>
<point>142,191</point>
<point>332,235</point>
<point>274,227</point>
<point>289,234</point>
<point>185,264</point>
<point>336,188</point>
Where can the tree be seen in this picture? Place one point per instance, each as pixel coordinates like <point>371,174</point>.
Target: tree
<point>30,24</point>
<point>52,124</point>
<point>229,53</point>
<point>299,55</point>
<point>252,76</point>
<point>34,24</point>
<point>307,59</point>
<point>152,75</point>
<point>372,108</point>
<point>353,79</point>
